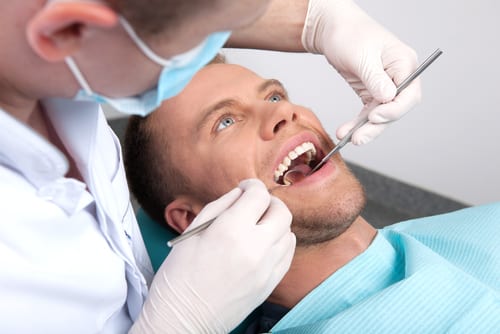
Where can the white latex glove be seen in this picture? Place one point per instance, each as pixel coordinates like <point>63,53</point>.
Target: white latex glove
<point>211,281</point>
<point>360,49</point>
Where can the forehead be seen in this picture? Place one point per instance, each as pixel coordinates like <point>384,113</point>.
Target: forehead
<point>209,86</point>
<point>221,81</point>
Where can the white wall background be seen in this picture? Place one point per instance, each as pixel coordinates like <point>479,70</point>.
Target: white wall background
<point>450,143</point>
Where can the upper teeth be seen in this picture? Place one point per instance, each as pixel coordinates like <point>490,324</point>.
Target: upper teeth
<point>306,147</point>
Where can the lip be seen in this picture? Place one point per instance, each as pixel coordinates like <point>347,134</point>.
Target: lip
<point>299,139</point>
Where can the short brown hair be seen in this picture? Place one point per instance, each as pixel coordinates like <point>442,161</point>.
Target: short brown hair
<point>151,17</point>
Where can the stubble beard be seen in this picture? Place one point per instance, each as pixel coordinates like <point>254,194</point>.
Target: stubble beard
<point>316,225</point>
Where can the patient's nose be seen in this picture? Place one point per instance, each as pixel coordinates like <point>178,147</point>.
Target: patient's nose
<point>275,118</point>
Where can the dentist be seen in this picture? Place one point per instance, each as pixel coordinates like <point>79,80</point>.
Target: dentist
<point>71,254</point>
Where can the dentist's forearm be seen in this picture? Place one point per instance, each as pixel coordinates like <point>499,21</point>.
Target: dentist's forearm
<point>279,29</point>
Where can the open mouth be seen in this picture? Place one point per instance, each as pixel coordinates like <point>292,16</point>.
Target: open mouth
<point>297,164</point>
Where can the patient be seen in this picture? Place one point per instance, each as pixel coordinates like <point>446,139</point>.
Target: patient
<point>432,275</point>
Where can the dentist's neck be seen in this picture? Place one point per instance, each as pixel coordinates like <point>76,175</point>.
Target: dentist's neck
<point>312,265</point>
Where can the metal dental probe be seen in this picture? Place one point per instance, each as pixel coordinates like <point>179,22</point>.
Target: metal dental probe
<point>190,233</point>
<point>403,85</point>
<point>200,228</point>
<point>341,143</point>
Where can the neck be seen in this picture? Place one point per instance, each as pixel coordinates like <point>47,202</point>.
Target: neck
<point>35,118</point>
<point>22,110</point>
<point>313,264</point>
<point>31,114</point>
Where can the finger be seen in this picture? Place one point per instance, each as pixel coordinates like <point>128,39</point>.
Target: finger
<point>344,129</point>
<point>378,114</point>
<point>394,110</point>
<point>250,206</point>
<point>276,221</point>
<point>376,80</point>
<point>215,208</point>
<point>248,183</point>
<point>400,63</point>
<point>367,133</point>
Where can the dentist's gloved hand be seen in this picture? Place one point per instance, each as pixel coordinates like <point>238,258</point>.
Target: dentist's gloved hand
<point>211,281</point>
<point>360,49</point>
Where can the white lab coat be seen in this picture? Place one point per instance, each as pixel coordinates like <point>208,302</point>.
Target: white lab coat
<point>72,259</point>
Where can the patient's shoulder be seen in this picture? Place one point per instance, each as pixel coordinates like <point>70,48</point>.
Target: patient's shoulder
<point>468,238</point>
<point>471,230</point>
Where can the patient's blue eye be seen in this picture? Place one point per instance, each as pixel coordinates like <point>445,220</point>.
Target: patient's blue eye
<point>225,122</point>
<point>275,98</point>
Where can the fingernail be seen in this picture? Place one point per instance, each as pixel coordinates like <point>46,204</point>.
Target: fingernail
<point>362,140</point>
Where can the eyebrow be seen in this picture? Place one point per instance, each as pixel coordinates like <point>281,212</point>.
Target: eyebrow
<point>269,83</point>
<point>226,103</point>
<point>208,112</point>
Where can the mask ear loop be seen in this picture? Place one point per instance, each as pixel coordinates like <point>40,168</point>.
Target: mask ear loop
<point>70,62</point>
<point>141,45</point>
<point>78,75</point>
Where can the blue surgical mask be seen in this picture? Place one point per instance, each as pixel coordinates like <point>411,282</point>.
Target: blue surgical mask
<point>177,72</point>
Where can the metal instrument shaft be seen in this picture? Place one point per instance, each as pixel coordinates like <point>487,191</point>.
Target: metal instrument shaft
<point>186,235</point>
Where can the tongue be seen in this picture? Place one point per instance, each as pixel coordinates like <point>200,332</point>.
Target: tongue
<point>296,174</point>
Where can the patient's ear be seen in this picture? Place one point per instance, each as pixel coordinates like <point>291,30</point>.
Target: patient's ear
<point>56,30</point>
<point>180,213</point>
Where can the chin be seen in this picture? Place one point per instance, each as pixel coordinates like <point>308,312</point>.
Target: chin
<point>316,224</point>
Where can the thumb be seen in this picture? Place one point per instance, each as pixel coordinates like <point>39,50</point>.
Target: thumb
<point>377,82</point>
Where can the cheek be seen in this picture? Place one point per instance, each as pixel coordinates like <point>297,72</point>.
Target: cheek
<point>116,66</point>
<point>228,167</point>
<point>309,117</point>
